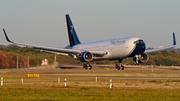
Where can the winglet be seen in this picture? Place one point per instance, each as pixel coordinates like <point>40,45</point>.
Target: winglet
<point>7,36</point>
<point>174,39</point>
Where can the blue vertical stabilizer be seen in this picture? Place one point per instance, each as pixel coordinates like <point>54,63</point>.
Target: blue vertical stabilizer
<point>73,38</point>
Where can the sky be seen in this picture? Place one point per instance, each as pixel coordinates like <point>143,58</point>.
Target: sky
<point>42,22</point>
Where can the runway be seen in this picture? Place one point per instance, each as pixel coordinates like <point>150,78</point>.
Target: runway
<point>131,77</point>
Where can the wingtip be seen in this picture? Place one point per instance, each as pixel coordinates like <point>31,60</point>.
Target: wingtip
<point>7,36</point>
<point>174,39</point>
<point>67,15</point>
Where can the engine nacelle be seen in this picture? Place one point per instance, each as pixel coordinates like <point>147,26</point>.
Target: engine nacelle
<point>86,56</point>
<point>141,58</point>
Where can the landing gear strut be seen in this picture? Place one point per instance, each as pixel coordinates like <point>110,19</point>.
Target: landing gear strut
<point>119,65</point>
<point>87,66</point>
<point>136,59</point>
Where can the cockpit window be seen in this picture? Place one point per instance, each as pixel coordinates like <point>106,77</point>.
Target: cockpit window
<point>138,42</point>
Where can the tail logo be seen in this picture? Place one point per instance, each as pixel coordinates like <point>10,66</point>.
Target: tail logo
<point>73,38</point>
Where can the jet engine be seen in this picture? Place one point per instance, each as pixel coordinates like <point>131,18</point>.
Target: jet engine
<point>86,56</point>
<point>141,58</point>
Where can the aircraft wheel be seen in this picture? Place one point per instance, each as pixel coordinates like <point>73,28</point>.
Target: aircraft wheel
<point>90,67</point>
<point>117,67</point>
<point>85,66</point>
<point>122,67</point>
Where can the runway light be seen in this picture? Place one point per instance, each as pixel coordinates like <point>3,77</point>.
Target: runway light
<point>110,84</point>
<point>22,81</point>
<point>96,79</point>
<point>58,80</point>
<point>1,81</point>
<point>64,82</point>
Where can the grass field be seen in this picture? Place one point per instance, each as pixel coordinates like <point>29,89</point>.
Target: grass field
<point>132,84</point>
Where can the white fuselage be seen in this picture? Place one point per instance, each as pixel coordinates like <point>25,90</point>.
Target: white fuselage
<point>117,48</point>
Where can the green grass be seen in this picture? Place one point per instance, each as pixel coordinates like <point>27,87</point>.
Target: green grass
<point>133,84</point>
<point>15,93</point>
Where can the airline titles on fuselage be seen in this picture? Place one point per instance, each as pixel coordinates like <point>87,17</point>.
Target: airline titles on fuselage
<point>118,42</point>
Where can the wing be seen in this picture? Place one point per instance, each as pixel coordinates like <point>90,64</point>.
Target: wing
<point>163,48</point>
<point>54,50</point>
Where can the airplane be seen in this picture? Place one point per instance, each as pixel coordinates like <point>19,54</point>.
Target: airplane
<point>110,49</point>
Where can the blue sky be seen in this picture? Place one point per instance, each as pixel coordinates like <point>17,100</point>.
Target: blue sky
<point>42,22</point>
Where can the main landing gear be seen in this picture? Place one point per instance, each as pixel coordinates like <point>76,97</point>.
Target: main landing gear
<point>87,66</point>
<point>119,66</point>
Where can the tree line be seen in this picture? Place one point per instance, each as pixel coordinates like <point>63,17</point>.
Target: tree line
<point>32,57</point>
<point>26,57</point>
